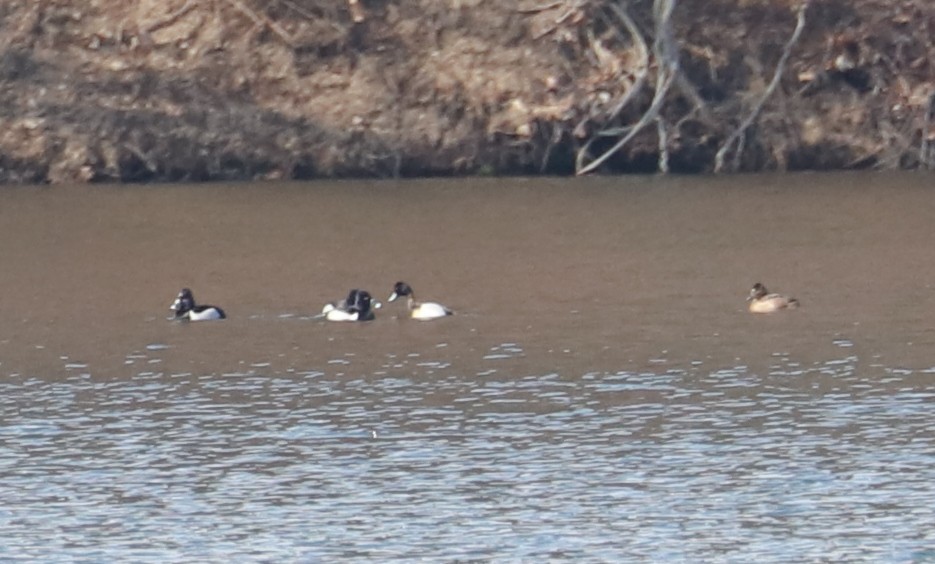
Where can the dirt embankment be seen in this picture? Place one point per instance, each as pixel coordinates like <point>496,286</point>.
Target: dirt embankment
<point>157,90</point>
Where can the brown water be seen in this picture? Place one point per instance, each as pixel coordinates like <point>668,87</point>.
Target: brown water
<point>600,394</point>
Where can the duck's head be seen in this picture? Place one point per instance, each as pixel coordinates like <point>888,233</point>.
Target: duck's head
<point>183,303</point>
<point>758,291</point>
<point>400,289</point>
<point>351,298</point>
<point>362,302</point>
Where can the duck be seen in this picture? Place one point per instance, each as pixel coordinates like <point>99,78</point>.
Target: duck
<point>341,304</point>
<point>185,308</point>
<point>352,297</point>
<point>423,311</point>
<point>761,301</point>
<point>357,306</point>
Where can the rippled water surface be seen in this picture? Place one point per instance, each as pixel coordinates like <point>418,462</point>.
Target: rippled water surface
<point>600,395</point>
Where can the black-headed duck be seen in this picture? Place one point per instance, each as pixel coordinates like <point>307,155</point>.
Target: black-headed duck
<point>422,311</point>
<point>185,308</point>
<point>357,306</point>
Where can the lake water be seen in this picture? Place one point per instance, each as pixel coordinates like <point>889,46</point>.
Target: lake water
<point>600,395</point>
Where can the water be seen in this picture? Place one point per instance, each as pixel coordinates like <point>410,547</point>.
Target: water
<point>601,394</point>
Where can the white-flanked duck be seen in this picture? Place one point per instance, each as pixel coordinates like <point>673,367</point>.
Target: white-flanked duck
<point>357,306</point>
<point>423,311</point>
<point>185,308</point>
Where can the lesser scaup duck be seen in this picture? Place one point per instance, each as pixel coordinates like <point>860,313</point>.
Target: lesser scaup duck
<point>761,301</point>
<point>185,308</point>
<point>422,311</point>
<point>357,306</point>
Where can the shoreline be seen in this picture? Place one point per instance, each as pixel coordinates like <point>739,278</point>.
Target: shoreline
<point>185,92</point>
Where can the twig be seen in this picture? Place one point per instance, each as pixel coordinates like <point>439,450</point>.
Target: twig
<point>143,157</point>
<point>741,145</point>
<point>554,140</point>
<point>570,12</point>
<point>643,71</point>
<point>540,8</point>
<point>262,21</point>
<point>310,16</point>
<point>774,83</point>
<point>663,145</point>
<point>559,20</point>
<point>925,149</point>
<point>171,18</point>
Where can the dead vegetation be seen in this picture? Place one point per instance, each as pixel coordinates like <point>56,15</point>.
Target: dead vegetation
<point>759,85</point>
<point>239,89</point>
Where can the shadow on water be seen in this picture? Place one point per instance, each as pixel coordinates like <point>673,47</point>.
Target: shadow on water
<point>600,394</point>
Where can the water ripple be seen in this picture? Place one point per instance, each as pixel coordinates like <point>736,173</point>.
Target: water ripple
<point>424,460</point>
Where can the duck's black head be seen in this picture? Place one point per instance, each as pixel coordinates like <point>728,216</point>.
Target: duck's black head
<point>351,297</point>
<point>362,301</point>
<point>183,303</point>
<point>400,289</point>
<point>362,305</point>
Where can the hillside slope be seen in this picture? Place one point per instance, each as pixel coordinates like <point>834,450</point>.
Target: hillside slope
<point>185,90</point>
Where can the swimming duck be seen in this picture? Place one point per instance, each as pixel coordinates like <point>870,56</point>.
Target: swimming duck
<point>422,311</point>
<point>761,301</point>
<point>352,297</point>
<point>342,304</point>
<point>185,308</point>
<point>357,306</point>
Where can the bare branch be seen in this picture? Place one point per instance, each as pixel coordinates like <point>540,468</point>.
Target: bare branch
<point>262,21</point>
<point>740,132</point>
<point>643,70</point>
<point>540,8</point>
<point>171,18</point>
<point>665,52</point>
<point>572,10</point>
<point>926,160</point>
<point>663,145</point>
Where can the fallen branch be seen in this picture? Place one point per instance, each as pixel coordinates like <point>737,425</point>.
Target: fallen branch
<point>739,134</point>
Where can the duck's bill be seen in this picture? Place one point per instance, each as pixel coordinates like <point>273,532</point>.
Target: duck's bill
<point>376,304</point>
<point>392,297</point>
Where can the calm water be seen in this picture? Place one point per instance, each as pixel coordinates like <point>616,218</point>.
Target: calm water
<point>601,394</point>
